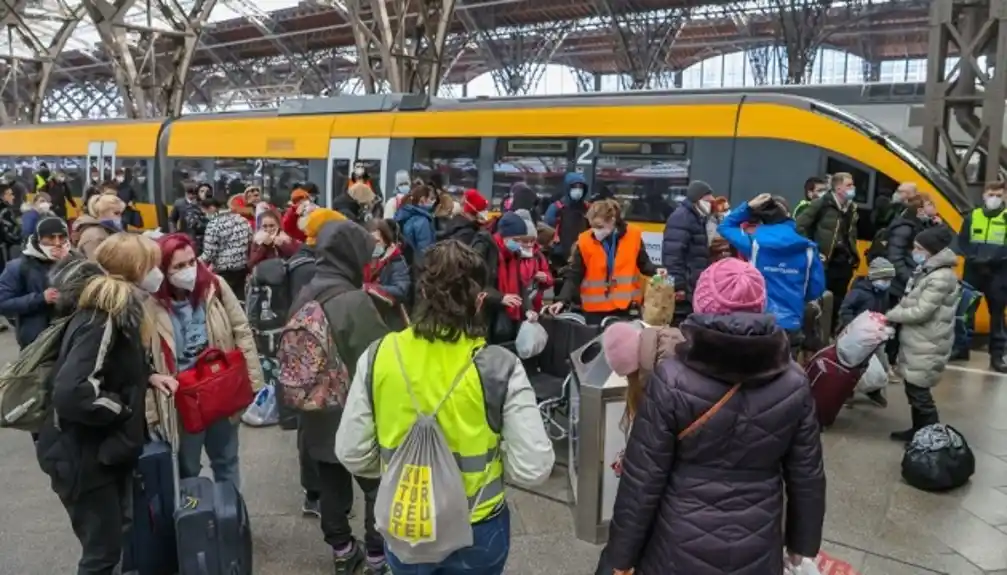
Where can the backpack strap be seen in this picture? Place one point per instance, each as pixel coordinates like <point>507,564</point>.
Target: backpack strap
<point>807,272</point>
<point>296,262</point>
<point>709,413</point>
<point>409,384</point>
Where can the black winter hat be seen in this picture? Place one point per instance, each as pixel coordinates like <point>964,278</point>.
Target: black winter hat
<point>51,226</point>
<point>935,239</point>
<point>698,189</point>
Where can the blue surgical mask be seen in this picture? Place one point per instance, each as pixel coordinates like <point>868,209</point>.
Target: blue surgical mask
<point>882,285</point>
<point>919,258</point>
<point>851,193</point>
<point>512,245</point>
<point>113,223</point>
<point>576,194</point>
<point>403,189</point>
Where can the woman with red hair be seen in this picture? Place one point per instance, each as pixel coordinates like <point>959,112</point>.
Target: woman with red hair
<point>195,310</point>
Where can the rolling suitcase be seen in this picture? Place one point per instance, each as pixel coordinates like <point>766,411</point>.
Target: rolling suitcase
<point>150,542</point>
<point>832,383</point>
<point>214,535</point>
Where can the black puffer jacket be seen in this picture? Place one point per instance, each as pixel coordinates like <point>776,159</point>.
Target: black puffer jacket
<point>99,387</point>
<point>713,502</point>
<point>685,252</point>
<point>901,235</point>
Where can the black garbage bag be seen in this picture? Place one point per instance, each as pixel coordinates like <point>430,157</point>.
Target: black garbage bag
<point>938,459</point>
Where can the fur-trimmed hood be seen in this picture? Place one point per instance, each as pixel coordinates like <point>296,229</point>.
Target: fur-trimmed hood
<point>84,285</point>
<point>758,349</point>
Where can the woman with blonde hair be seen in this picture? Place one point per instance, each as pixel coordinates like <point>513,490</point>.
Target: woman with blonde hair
<point>195,310</point>
<point>93,436</point>
<point>607,266</point>
<point>103,218</point>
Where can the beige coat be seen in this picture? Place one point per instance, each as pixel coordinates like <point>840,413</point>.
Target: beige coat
<point>91,234</point>
<point>227,329</point>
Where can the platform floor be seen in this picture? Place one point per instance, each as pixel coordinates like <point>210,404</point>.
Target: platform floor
<point>874,521</point>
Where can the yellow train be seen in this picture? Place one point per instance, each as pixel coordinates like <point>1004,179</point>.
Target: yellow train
<point>643,147</point>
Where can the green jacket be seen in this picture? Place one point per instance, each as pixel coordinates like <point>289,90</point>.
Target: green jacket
<point>820,221</point>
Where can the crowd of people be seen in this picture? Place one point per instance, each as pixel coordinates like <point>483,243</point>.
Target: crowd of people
<point>420,297</point>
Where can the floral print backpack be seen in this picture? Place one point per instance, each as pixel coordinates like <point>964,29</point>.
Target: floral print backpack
<point>312,375</point>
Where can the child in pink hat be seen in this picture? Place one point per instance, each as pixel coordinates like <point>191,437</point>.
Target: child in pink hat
<point>729,285</point>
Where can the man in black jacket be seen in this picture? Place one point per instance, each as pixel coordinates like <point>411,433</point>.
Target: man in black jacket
<point>685,251</point>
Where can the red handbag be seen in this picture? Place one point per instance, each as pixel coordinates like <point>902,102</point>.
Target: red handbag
<point>215,388</point>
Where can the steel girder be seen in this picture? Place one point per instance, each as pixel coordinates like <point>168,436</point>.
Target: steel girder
<point>643,42</point>
<point>95,98</point>
<point>150,87</point>
<point>26,78</point>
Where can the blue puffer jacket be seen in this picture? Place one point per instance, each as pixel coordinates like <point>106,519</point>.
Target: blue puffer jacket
<point>685,252</point>
<point>417,225</point>
<point>787,260</point>
<point>22,284</point>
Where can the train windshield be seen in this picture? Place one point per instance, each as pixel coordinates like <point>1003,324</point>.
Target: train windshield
<point>937,175</point>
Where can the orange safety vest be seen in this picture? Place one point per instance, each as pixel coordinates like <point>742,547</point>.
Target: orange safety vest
<point>604,292</point>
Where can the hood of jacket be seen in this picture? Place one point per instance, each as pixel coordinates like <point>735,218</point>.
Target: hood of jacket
<point>84,222</point>
<point>84,285</point>
<point>905,218</point>
<point>758,348</point>
<point>942,259</point>
<point>459,228</point>
<point>33,249</point>
<point>409,211</point>
<point>523,198</point>
<point>347,206</point>
<point>569,180</point>
<point>342,251</point>
<point>657,344</point>
<point>782,237</point>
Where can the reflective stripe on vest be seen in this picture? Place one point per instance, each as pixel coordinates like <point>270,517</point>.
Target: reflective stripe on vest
<point>604,290</point>
<point>476,448</point>
<point>986,230</point>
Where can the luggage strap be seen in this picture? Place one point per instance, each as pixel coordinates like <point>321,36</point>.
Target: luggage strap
<point>709,413</point>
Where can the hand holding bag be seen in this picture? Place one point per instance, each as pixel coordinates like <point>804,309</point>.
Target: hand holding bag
<point>215,388</point>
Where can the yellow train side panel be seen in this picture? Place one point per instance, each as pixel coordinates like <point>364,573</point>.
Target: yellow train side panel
<point>302,137</point>
<point>714,120</point>
<point>133,139</point>
<point>364,125</point>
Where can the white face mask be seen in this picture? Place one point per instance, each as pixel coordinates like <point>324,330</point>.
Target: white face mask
<point>576,194</point>
<point>993,202</point>
<point>302,223</point>
<point>120,179</point>
<point>527,253</point>
<point>704,206</point>
<point>358,172</point>
<point>483,216</point>
<point>55,252</point>
<point>456,209</point>
<point>44,206</point>
<point>184,279</point>
<point>601,234</point>
<point>152,281</point>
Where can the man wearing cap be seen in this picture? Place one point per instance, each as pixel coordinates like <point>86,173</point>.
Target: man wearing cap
<point>685,251</point>
<point>24,284</point>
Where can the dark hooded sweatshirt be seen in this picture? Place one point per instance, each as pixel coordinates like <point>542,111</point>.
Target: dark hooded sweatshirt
<point>746,484</point>
<point>342,250</point>
<point>568,216</point>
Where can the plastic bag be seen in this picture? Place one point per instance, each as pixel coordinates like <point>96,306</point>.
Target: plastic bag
<point>531,338</point>
<point>659,300</point>
<point>861,338</point>
<point>938,459</point>
<point>264,411</point>
<point>874,378</point>
<point>807,567</point>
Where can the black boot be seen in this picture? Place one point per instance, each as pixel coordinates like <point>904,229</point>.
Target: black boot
<point>906,435</point>
<point>997,362</point>
<point>962,354</point>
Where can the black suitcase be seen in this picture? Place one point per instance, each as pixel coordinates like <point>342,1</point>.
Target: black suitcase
<point>214,535</point>
<point>150,542</point>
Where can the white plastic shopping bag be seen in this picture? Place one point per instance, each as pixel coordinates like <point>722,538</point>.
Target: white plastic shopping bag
<point>807,567</point>
<point>861,338</point>
<point>531,337</point>
<point>875,377</point>
<point>264,411</point>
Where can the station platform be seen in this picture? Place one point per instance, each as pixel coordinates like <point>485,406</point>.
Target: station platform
<point>875,522</point>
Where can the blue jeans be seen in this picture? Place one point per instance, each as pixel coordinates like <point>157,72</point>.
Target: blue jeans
<point>221,443</point>
<point>486,556</point>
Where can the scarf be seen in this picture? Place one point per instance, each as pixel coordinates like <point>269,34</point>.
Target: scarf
<point>508,275</point>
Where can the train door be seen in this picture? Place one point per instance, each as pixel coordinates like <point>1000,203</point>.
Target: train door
<point>372,153</point>
<point>342,155</point>
<point>101,160</point>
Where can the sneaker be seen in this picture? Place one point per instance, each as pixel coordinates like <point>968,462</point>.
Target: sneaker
<point>348,563</point>
<point>372,567</point>
<point>311,508</point>
<point>904,436</point>
<point>878,398</point>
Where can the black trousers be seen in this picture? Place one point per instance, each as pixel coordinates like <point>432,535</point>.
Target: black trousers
<point>994,290</point>
<point>310,480</point>
<point>336,502</point>
<point>837,281</point>
<point>236,281</point>
<point>921,401</point>
<point>100,519</point>
<point>796,339</point>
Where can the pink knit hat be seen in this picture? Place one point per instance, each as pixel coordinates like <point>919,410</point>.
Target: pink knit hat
<point>729,285</point>
<point>621,345</point>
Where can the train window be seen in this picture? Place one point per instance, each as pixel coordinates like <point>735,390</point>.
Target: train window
<point>279,178</point>
<point>541,164</point>
<point>185,173</point>
<point>373,168</point>
<point>456,161</point>
<point>233,175</point>
<point>643,186</point>
<point>134,171</point>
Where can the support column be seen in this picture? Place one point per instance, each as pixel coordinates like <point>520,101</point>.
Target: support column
<point>28,71</point>
<point>138,73</point>
<point>972,28</point>
<point>400,43</point>
<point>643,41</point>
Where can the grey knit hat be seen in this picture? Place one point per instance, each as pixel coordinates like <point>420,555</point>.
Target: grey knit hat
<point>880,269</point>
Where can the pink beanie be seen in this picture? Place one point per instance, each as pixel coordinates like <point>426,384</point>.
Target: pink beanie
<point>621,345</point>
<point>729,285</point>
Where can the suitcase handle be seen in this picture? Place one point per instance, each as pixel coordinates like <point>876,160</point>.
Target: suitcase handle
<point>167,416</point>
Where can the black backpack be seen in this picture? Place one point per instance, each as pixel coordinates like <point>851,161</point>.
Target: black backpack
<point>269,297</point>
<point>879,245</point>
